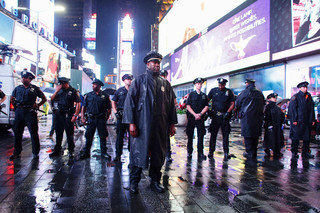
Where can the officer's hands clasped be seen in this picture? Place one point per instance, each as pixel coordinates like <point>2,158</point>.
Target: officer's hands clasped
<point>133,130</point>
<point>227,116</point>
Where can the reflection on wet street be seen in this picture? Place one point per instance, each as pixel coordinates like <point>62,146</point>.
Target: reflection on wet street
<point>213,185</point>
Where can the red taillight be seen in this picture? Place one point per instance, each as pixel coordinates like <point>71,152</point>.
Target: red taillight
<point>11,107</point>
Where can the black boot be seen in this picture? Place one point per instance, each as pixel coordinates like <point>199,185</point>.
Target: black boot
<point>295,156</point>
<point>157,186</point>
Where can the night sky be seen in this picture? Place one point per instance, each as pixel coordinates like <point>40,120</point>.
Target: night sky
<point>143,12</point>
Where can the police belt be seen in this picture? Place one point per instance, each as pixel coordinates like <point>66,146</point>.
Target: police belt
<point>99,116</point>
<point>64,110</point>
<point>218,113</point>
<point>28,107</point>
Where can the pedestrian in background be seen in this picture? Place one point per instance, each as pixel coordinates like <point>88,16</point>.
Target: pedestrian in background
<point>24,98</point>
<point>149,109</point>
<point>250,105</point>
<point>66,106</point>
<point>301,114</point>
<point>97,108</point>
<point>117,106</point>
<point>273,123</point>
<point>197,106</point>
<point>222,106</point>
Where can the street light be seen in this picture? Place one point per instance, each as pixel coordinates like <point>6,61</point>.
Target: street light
<point>57,8</point>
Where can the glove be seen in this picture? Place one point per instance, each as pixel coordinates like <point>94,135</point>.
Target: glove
<point>227,116</point>
<point>119,114</point>
<point>270,128</point>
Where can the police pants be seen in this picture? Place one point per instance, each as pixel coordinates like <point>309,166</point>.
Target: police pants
<point>63,122</point>
<point>216,123</point>
<point>201,131</point>
<point>168,142</point>
<point>251,144</point>
<point>135,174</point>
<point>121,131</point>
<point>305,146</point>
<point>25,117</point>
<point>101,125</point>
<point>53,126</point>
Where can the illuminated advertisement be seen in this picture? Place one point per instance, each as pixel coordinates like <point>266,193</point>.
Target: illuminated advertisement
<point>45,10</point>
<point>126,56</point>
<point>265,81</point>
<point>6,29</point>
<point>294,34</point>
<point>90,33</point>
<point>51,72</point>
<point>241,41</point>
<point>20,36</point>
<point>305,20</point>
<point>65,67</point>
<point>187,18</point>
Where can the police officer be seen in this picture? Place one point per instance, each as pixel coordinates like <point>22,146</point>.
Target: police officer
<point>222,106</point>
<point>117,106</point>
<point>301,114</point>
<point>97,108</point>
<point>197,106</point>
<point>63,101</point>
<point>24,98</point>
<point>250,104</point>
<point>164,74</point>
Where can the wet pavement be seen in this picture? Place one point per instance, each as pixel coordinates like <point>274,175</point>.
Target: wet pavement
<point>216,185</point>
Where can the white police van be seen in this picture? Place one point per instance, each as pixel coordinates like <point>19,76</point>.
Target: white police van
<point>9,79</point>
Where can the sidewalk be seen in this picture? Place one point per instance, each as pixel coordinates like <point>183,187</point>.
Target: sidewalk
<point>95,185</point>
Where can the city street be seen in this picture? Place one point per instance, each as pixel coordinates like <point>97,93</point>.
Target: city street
<point>213,185</point>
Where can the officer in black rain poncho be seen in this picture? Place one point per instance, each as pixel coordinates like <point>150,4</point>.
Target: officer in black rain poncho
<point>273,121</point>
<point>148,109</point>
<point>301,114</point>
<point>250,104</point>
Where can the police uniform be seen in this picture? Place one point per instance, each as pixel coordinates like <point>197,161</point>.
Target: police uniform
<point>63,109</point>
<point>221,101</point>
<point>197,102</point>
<point>26,115</point>
<point>97,106</point>
<point>164,74</point>
<point>301,112</point>
<point>119,97</point>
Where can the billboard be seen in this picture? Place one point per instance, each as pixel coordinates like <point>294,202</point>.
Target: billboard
<point>6,32</point>
<point>90,33</point>
<point>65,67</point>
<point>295,28</point>
<point>187,18</point>
<point>239,42</point>
<point>305,20</point>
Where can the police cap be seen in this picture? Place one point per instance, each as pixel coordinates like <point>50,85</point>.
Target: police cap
<point>97,81</point>
<point>127,76</point>
<point>163,72</point>
<point>63,80</point>
<point>198,80</point>
<point>272,95</point>
<point>27,74</point>
<point>222,81</point>
<point>303,84</point>
<point>152,56</point>
<point>250,80</point>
